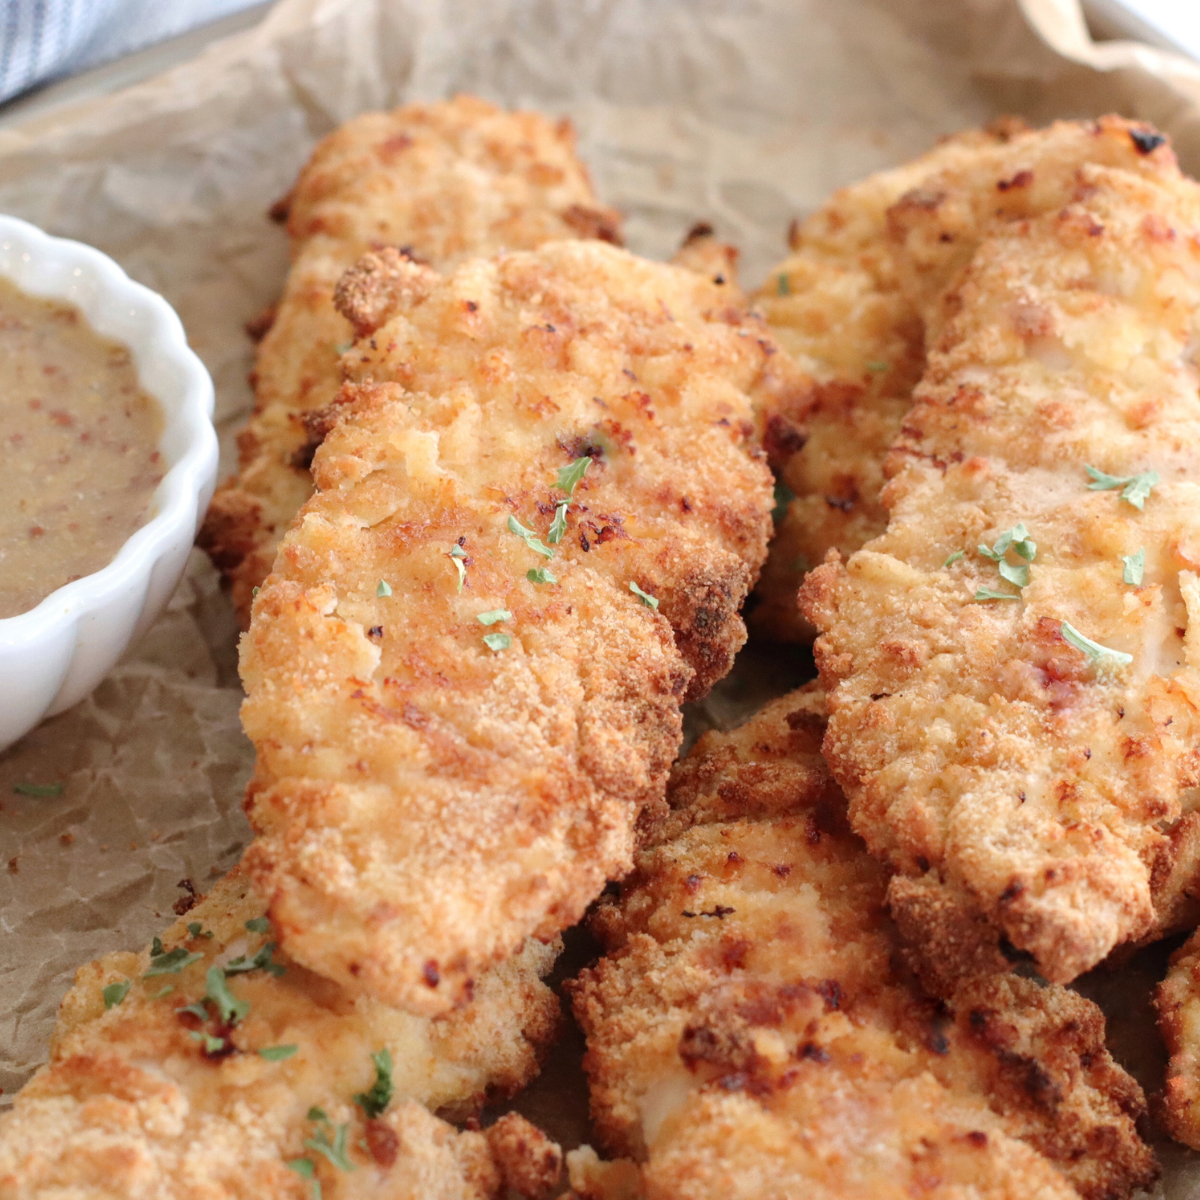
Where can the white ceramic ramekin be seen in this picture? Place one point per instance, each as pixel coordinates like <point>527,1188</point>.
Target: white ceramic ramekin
<point>54,655</point>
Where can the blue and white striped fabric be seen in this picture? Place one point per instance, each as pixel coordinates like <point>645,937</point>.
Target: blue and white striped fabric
<point>42,40</point>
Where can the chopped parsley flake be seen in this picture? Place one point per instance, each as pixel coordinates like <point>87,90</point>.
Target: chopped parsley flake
<point>198,1010</point>
<point>306,1169</point>
<point>384,588</point>
<point>648,600</point>
<point>567,481</point>
<point>334,1150</point>
<point>374,1101</point>
<point>212,1045</point>
<point>497,641</point>
<point>558,527</point>
<point>316,1113</point>
<point>260,962</point>
<point>457,554</point>
<point>493,616</point>
<point>569,476</point>
<point>990,594</point>
<point>1018,574</point>
<point>253,592</point>
<point>530,538</point>
<point>169,962</point>
<point>115,993</point>
<point>1135,566</point>
<point>165,990</point>
<point>198,931</point>
<point>1096,652</point>
<point>38,789</point>
<point>783,285</point>
<point>541,575</point>
<point>1134,488</point>
<point>878,367</point>
<point>1015,539</point>
<point>957,556</point>
<point>277,1053</point>
<point>230,1008</point>
<point>259,925</point>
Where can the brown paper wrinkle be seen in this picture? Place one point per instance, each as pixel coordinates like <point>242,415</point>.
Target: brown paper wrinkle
<point>743,113</point>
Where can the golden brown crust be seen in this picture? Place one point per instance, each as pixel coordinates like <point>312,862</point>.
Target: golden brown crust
<point>752,1031</point>
<point>1178,1005</point>
<point>530,1163</point>
<point>864,277</point>
<point>446,181</point>
<point>132,1104</point>
<point>981,750</point>
<point>425,802</point>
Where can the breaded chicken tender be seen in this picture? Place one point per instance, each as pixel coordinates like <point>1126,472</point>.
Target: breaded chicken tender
<point>214,1066</point>
<point>752,1031</point>
<point>851,303</point>
<point>539,507</point>
<point>1013,666</point>
<point>446,181</point>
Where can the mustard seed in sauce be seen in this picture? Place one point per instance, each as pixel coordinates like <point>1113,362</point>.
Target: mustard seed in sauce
<point>79,447</point>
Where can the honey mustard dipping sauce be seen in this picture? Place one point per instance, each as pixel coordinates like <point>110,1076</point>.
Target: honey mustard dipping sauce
<point>79,445</point>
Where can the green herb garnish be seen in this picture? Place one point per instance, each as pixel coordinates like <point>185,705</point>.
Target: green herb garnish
<point>1135,566</point>
<point>306,1169</point>
<point>558,527</point>
<point>877,367</point>
<point>648,600</point>
<point>198,931</point>
<point>569,476</point>
<point>384,588</point>
<point>957,556</point>
<point>166,990</point>
<point>260,962</point>
<point>38,789</point>
<point>1018,574</point>
<point>334,1150</point>
<point>169,962</point>
<point>989,594</point>
<point>1099,654</point>
<point>497,641</point>
<point>229,1007</point>
<point>198,1010</point>
<point>212,1045</point>
<point>541,575</point>
<point>115,993</point>
<point>530,538</point>
<point>1016,539</point>
<point>374,1101</point>
<point>1134,488</point>
<point>316,1113</point>
<point>493,616</point>
<point>259,925</point>
<point>783,285</point>
<point>277,1053</point>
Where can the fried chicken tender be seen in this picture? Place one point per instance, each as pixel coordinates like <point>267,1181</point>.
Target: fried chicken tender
<point>851,303</point>
<point>459,718</point>
<point>752,1031</point>
<point>1023,758</point>
<point>135,1102</point>
<point>446,181</point>
<point>1178,1004</point>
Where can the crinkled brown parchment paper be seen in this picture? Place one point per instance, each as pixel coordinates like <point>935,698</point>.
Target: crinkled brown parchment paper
<point>740,112</point>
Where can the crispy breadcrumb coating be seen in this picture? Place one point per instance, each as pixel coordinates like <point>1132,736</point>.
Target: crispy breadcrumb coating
<point>134,1101</point>
<point>851,301</point>
<point>1178,1004</point>
<point>1024,758</point>
<point>447,181</point>
<point>752,1031</point>
<point>445,770</point>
